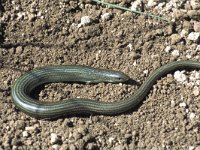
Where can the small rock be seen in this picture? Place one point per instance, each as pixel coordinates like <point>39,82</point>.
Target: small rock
<point>128,136</point>
<point>170,29</point>
<point>30,128</point>
<point>198,48</point>
<point>180,76</point>
<point>191,147</point>
<point>175,38</point>
<point>130,46</point>
<point>194,36</point>
<point>85,20</point>
<point>173,103</point>
<point>193,14</point>
<point>20,124</point>
<point>194,76</point>
<point>25,134</point>
<point>19,50</point>
<point>82,130</point>
<point>29,142</point>
<point>192,115</point>
<point>87,138</point>
<point>197,26</point>
<point>151,3</point>
<point>197,148</point>
<point>180,116</point>
<point>134,55</point>
<point>146,72</point>
<point>136,5</point>
<point>111,139</point>
<point>175,53</point>
<point>187,25</point>
<point>55,146</point>
<point>55,138</point>
<point>91,146</point>
<point>179,13</point>
<point>31,17</point>
<point>16,142</point>
<point>119,147</point>
<point>168,6</point>
<point>183,104</point>
<point>72,147</point>
<point>195,4</point>
<point>106,16</point>
<point>167,49</point>
<point>64,147</point>
<point>77,135</point>
<point>196,91</point>
<point>184,33</point>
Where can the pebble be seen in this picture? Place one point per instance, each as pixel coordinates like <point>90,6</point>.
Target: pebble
<point>119,147</point>
<point>195,75</point>
<point>175,53</point>
<point>196,91</point>
<point>168,6</point>
<point>183,104</point>
<point>191,147</point>
<point>198,48</point>
<point>25,134</point>
<point>106,16</point>
<point>72,147</point>
<point>168,49</point>
<point>16,142</point>
<point>84,21</point>
<point>20,15</point>
<point>184,33</point>
<point>173,103</point>
<point>55,146</point>
<point>193,36</point>
<point>197,148</point>
<point>20,124</point>
<point>151,3</point>
<point>82,130</point>
<point>91,146</point>
<point>197,26</point>
<point>64,147</point>
<point>31,17</point>
<point>77,135</point>
<point>87,138</point>
<point>178,14</point>
<point>31,128</point>
<point>170,29</point>
<point>19,50</point>
<point>54,138</point>
<point>175,38</point>
<point>193,14</point>
<point>192,115</point>
<point>180,76</point>
<point>111,139</point>
<point>195,4</point>
<point>29,142</point>
<point>136,5</point>
<point>146,72</point>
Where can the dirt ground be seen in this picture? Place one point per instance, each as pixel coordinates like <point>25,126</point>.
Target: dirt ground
<point>40,33</point>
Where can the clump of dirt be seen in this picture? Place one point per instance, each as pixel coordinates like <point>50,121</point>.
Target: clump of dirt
<point>37,33</point>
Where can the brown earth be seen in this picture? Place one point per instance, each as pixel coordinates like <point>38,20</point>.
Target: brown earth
<point>38,33</point>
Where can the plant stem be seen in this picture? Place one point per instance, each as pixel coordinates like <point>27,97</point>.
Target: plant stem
<point>135,11</point>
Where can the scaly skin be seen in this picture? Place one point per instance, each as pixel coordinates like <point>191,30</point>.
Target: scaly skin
<point>24,85</point>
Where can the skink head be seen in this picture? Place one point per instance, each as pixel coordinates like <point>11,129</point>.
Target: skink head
<point>104,75</point>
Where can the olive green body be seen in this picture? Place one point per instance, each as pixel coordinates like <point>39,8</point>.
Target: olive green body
<point>25,84</point>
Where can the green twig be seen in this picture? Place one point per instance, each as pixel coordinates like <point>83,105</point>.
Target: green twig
<point>135,11</point>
